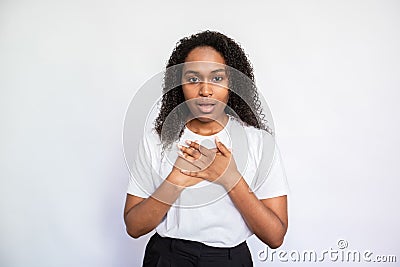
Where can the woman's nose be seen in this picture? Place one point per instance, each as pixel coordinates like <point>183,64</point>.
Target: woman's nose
<point>206,89</point>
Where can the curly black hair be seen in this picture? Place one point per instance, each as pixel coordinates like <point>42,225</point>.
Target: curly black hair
<point>243,99</point>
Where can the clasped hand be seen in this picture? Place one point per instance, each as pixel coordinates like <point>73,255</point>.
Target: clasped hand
<point>214,165</point>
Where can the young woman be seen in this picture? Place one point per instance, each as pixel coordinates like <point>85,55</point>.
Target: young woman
<point>203,208</point>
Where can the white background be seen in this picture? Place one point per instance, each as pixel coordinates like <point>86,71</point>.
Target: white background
<point>329,70</point>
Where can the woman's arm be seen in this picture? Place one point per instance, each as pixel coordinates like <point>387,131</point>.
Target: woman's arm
<point>142,215</point>
<point>267,218</point>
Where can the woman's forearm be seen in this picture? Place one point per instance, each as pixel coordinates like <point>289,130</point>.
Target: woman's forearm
<point>146,215</point>
<point>263,221</point>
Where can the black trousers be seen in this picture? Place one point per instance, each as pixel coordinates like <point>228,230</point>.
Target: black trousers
<point>172,252</point>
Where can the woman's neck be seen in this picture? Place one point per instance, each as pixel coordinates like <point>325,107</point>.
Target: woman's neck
<point>209,127</point>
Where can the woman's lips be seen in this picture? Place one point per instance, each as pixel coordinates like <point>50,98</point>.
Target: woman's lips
<point>206,107</point>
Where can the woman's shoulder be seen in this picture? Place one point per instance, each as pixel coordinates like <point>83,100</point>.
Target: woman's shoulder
<point>151,138</point>
<point>250,130</point>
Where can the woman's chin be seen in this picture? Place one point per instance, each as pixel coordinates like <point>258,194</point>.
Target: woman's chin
<point>209,117</point>
<point>205,117</point>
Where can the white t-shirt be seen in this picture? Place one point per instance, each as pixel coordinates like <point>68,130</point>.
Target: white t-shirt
<point>204,212</point>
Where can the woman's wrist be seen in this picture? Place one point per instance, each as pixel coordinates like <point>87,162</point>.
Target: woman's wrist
<point>181,181</point>
<point>167,192</point>
<point>230,180</point>
<point>175,178</point>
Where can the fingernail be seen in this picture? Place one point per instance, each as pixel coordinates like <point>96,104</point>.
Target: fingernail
<point>179,146</point>
<point>180,153</point>
<point>188,142</point>
<point>217,138</point>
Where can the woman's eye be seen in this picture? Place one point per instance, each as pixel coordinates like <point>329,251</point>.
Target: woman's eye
<point>193,80</point>
<point>218,78</point>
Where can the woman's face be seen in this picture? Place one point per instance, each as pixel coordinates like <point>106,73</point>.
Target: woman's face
<point>205,83</point>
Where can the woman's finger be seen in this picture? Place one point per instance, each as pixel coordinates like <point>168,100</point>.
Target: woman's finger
<point>186,156</point>
<point>198,174</point>
<point>199,163</point>
<point>183,164</point>
<point>216,151</point>
<point>203,150</point>
<point>221,147</point>
<point>190,151</point>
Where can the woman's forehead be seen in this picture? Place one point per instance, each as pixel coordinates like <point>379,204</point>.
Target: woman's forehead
<point>203,67</point>
<point>205,53</point>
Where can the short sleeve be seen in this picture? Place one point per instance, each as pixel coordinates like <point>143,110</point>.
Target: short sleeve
<point>143,171</point>
<point>271,177</point>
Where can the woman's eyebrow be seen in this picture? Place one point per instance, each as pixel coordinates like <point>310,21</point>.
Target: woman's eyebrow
<point>197,73</point>
<point>218,70</point>
<point>191,72</point>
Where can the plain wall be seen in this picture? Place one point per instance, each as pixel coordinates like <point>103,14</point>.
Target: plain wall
<point>329,71</point>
